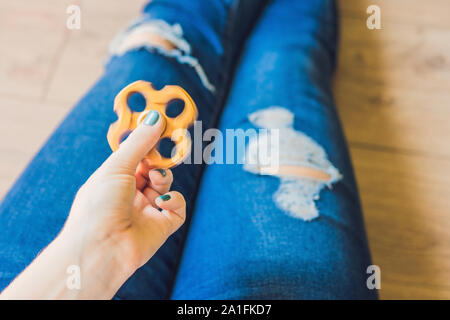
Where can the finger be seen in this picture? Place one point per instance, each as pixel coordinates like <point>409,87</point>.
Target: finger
<point>151,195</point>
<point>140,201</point>
<point>141,182</point>
<point>138,144</point>
<point>142,178</point>
<point>174,208</point>
<point>161,180</point>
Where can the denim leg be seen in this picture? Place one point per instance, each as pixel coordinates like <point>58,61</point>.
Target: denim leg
<point>252,236</point>
<point>34,210</point>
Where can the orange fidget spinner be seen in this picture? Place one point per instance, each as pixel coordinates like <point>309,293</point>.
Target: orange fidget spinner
<point>155,100</point>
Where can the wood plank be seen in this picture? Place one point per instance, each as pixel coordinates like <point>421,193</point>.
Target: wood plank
<point>83,58</point>
<point>401,56</point>
<point>24,126</point>
<point>406,208</point>
<point>392,94</point>
<point>400,119</point>
<point>392,86</point>
<point>430,13</point>
<point>31,33</point>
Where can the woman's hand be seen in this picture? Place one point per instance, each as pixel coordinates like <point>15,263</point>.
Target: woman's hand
<point>119,202</point>
<point>114,226</point>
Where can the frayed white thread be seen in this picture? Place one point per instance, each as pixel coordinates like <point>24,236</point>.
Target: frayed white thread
<point>171,33</point>
<point>296,195</point>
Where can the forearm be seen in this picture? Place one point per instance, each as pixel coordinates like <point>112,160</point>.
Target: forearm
<point>65,270</point>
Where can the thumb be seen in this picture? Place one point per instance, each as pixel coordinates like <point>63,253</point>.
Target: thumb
<point>138,144</point>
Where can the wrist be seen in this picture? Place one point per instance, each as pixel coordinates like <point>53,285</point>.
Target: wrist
<point>94,269</point>
<point>68,269</point>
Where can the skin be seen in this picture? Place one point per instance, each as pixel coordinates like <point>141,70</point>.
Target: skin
<point>137,39</point>
<point>114,227</point>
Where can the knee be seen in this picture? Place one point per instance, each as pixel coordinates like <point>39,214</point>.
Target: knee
<point>151,34</point>
<point>136,39</point>
<point>162,38</point>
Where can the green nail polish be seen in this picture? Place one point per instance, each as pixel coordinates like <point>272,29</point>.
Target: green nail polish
<point>151,118</point>
<point>165,197</point>
<point>162,171</point>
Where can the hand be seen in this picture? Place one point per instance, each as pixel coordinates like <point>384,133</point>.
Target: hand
<point>114,226</point>
<point>118,205</point>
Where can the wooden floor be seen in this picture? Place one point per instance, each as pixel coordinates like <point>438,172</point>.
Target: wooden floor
<point>392,89</point>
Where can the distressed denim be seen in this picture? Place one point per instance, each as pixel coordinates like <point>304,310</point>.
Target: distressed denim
<point>256,250</point>
<point>236,243</point>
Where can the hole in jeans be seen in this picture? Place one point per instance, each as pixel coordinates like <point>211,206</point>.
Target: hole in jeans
<point>303,166</point>
<point>157,36</point>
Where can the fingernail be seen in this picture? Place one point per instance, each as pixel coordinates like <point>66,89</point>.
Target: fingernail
<point>165,197</point>
<point>162,171</point>
<point>151,118</point>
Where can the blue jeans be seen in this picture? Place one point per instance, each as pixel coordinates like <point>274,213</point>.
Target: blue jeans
<point>240,240</point>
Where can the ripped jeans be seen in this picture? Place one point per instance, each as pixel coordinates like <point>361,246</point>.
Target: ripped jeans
<point>247,64</point>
